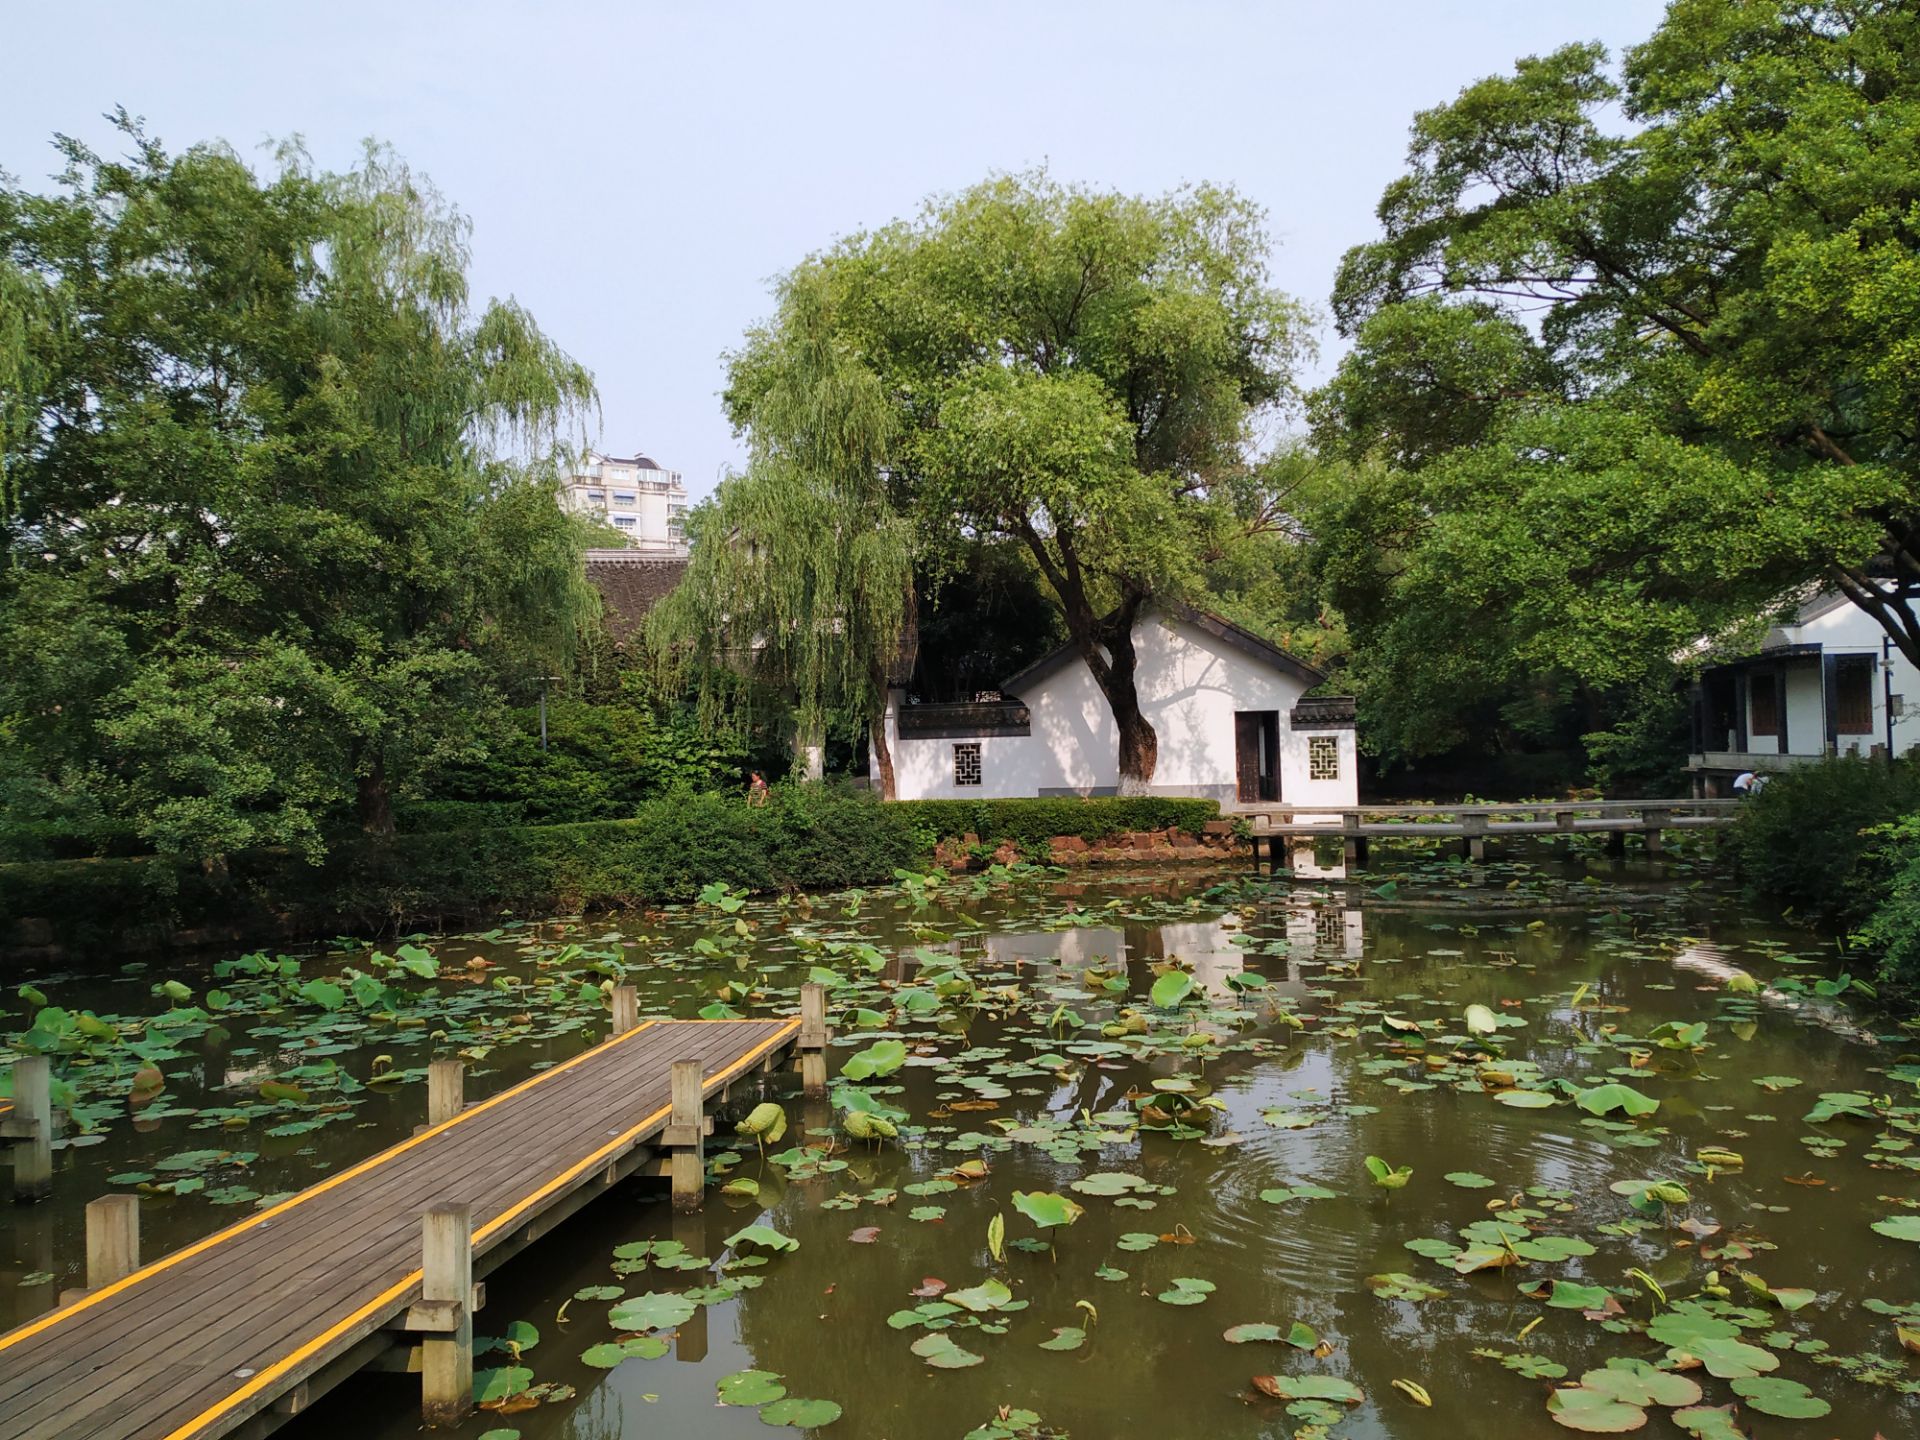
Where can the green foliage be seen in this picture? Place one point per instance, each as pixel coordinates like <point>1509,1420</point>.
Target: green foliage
<point>1629,393</point>
<point>1030,824</point>
<point>805,837</point>
<point>1810,840</point>
<point>279,523</point>
<point>1074,372</point>
<point>802,570</point>
<point>601,762</point>
<point>1892,931</point>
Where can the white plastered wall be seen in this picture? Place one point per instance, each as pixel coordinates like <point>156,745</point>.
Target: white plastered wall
<point>1190,684</point>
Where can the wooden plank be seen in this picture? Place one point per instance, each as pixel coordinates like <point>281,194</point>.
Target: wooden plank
<point>348,1335</point>
<point>227,1297</point>
<point>262,1327</point>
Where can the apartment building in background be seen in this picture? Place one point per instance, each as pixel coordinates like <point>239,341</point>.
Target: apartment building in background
<point>638,497</point>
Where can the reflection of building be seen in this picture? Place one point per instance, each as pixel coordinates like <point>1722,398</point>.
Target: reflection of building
<point>638,497</point>
<point>1825,683</point>
<point>1229,714</point>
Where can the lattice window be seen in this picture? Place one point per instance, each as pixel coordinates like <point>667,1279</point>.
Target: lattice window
<point>966,763</point>
<point>1323,757</point>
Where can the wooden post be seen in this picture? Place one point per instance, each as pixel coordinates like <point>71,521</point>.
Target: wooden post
<point>31,1124</point>
<point>1474,843</point>
<point>1616,842</point>
<point>690,1336</point>
<point>813,1040</point>
<point>446,1090</point>
<point>687,1135</point>
<point>446,1274</point>
<point>626,1009</point>
<point>1354,843</point>
<point>113,1239</point>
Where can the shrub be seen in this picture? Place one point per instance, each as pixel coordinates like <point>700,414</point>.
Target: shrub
<point>1807,840</point>
<point>806,837</point>
<point>1029,824</point>
<point>1893,930</point>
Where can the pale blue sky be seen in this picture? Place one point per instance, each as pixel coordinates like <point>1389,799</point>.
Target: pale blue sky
<point>636,173</point>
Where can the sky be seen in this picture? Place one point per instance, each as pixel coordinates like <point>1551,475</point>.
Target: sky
<point>637,174</point>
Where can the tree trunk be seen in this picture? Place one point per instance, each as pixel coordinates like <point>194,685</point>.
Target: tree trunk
<point>882,757</point>
<point>1116,673</point>
<point>809,754</point>
<point>376,805</point>
<point>1139,746</point>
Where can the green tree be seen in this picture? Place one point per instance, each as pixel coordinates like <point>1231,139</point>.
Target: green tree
<point>1635,384</point>
<point>801,576</point>
<point>1074,372</point>
<point>282,516</point>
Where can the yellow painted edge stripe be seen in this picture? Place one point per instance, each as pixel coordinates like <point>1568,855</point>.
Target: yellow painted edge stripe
<point>105,1292</point>
<point>308,1349</point>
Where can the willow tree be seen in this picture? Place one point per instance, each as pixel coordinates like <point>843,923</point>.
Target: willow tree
<point>801,575</point>
<point>282,524</point>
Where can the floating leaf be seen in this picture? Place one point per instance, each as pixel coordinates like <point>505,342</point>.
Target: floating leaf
<point>1171,988</point>
<point>1605,1099</point>
<point>750,1387</point>
<point>654,1310</point>
<point>800,1414</point>
<point>764,1236</point>
<point>1046,1208</point>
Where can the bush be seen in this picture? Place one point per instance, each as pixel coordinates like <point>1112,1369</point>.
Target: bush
<point>1808,840</point>
<point>1893,930</point>
<point>601,762</point>
<point>1029,824</point>
<point>805,837</point>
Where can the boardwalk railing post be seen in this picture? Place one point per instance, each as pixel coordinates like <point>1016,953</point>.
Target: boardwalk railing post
<point>113,1239</point>
<point>812,1042</point>
<point>1355,847</point>
<point>446,1090</point>
<point>687,1133</point>
<point>1654,819</point>
<point>1474,843</point>
<point>446,1274</point>
<point>30,1128</point>
<point>626,1009</point>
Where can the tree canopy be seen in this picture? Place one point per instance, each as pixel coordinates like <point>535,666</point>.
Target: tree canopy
<point>1076,372</point>
<point>279,505</point>
<point>1633,357</point>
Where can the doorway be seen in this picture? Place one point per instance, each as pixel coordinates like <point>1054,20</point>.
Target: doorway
<point>1256,756</point>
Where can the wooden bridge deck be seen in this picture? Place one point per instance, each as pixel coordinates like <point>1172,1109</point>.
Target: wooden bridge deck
<point>204,1340</point>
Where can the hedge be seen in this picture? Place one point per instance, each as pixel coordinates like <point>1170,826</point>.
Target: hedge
<point>804,838</point>
<point>1031,823</point>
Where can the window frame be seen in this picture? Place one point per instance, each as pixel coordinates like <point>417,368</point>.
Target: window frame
<point>963,750</point>
<point>1323,745</point>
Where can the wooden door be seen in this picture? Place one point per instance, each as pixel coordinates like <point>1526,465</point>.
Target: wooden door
<point>1246,756</point>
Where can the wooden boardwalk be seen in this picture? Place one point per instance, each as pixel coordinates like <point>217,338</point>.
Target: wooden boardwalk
<point>1474,824</point>
<point>246,1326</point>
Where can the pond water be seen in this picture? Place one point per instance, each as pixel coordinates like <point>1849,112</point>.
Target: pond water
<point>1518,1051</point>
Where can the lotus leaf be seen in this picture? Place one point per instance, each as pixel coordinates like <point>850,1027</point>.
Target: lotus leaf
<point>800,1414</point>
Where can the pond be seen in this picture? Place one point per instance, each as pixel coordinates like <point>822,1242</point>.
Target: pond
<point>1186,1152</point>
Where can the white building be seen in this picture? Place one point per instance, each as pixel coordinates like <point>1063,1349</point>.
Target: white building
<point>1226,707</point>
<point>645,502</point>
<point>1823,684</point>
